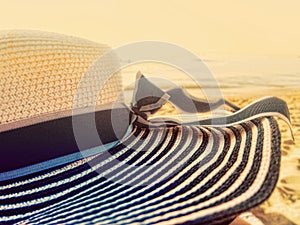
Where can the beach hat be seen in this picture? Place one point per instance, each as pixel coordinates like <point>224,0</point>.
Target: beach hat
<point>147,170</point>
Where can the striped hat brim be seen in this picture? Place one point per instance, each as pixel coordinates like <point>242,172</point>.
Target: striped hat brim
<point>181,174</point>
<point>175,174</point>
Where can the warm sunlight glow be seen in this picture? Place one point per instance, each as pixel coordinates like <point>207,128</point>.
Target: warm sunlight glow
<point>215,27</point>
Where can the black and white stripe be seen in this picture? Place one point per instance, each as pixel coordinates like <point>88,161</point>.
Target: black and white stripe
<point>169,175</point>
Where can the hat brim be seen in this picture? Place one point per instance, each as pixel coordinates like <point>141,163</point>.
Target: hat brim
<point>180,174</point>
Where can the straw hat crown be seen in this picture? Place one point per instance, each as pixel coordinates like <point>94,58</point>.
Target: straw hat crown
<point>40,73</point>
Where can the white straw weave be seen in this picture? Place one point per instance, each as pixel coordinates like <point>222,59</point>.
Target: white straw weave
<point>40,73</point>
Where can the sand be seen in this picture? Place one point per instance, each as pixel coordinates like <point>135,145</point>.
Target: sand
<point>283,207</point>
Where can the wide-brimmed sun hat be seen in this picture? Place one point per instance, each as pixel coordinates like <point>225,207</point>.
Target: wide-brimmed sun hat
<point>159,171</point>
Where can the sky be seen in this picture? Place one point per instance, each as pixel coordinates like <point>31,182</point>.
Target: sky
<point>232,27</point>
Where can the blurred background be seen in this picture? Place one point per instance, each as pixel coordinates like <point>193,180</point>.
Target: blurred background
<point>236,39</point>
<point>269,27</point>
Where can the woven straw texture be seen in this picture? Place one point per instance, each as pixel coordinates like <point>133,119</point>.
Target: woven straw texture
<point>40,73</point>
